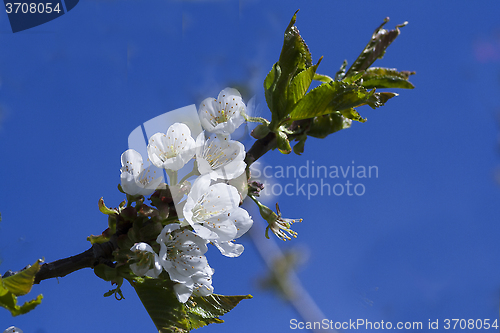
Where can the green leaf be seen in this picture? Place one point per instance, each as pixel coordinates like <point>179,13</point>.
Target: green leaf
<point>106,273</point>
<point>341,72</point>
<point>106,210</point>
<point>270,83</point>
<point>331,97</point>
<point>206,310</point>
<point>9,301</point>
<point>375,49</point>
<point>353,78</point>
<point>260,131</point>
<point>322,78</point>
<point>327,124</point>
<point>20,283</point>
<point>282,143</point>
<point>17,285</point>
<point>299,146</point>
<point>353,115</point>
<point>378,99</point>
<point>295,55</point>
<point>102,238</point>
<point>378,77</point>
<point>294,58</point>
<point>117,292</point>
<point>169,315</point>
<point>150,230</point>
<point>106,234</point>
<point>157,296</point>
<point>300,84</point>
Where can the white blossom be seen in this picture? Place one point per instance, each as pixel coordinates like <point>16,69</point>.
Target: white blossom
<point>148,262</point>
<point>134,178</point>
<point>243,222</point>
<point>220,157</point>
<point>224,114</point>
<point>13,329</point>
<point>201,285</point>
<point>182,256</point>
<point>172,150</point>
<point>213,212</point>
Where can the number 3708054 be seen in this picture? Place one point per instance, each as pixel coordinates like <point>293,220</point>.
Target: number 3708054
<point>32,8</point>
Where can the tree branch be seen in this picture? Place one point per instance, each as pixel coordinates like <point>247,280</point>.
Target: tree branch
<point>260,147</point>
<point>97,254</point>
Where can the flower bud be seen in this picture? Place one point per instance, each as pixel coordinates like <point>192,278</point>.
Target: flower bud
<point>260,131</point>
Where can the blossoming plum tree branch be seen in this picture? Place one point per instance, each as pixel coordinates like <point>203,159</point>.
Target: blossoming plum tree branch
<point>157,239</point>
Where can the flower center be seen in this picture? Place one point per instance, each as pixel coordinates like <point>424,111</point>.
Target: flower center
<point>222,118</point>
<point>142,258</point>
<point>171,152</point>
<point>200,213</point>
<point>215,156</point>
<point>144,178</point>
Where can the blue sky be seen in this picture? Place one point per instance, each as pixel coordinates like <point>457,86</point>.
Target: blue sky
<point>419,244</point>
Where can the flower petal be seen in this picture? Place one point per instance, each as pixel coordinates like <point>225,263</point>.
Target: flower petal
<point>183,291</point>
<point>134,178</point>
<point>217,228</point>
<point>172,150</point>
<point>205,202</point>
<point>221,158</point>
<point>229,249</point>
<point>241,220</point>
<point>224,114</point>
<point>131,162</point>
<point>139,270</point>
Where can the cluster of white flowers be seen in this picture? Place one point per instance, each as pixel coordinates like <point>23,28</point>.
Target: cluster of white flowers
<point>211,212</point>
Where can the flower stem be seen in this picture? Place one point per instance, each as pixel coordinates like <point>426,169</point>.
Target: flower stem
<point>193,172</point>
<point>172,177</point>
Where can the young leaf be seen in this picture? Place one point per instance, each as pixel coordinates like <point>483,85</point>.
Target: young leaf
<point>20,283</point>
<point>341,72</point>
<point>352,114</point>
<point>283,144</point>
<point>376,100</point>
<point>17,285</point>
<point>206,310</point>
<point>375,48</point>
<point>106,273</point>
<point>294,58</point>
<point>322,78</point>
<point>106,210</point>
<point>9,301</point>
<point>300,84</point>
<point>270,83</point>
<point>295,55</point>
<point>331,97</point>
<point>299,146</point>
<point>353,78</point>
<point>157,296</point>
<point>327,124</point>
<point>169,315</point>
<point>378,77</point>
